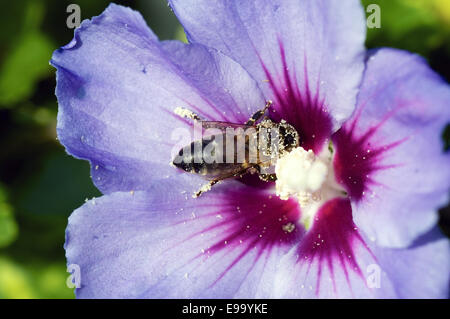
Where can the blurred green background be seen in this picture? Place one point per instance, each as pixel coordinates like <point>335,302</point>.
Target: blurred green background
<point>40,185</point>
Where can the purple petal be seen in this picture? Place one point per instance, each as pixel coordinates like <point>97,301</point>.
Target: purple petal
<point>330,261</point>
<point>118,87</point>
<point>422,270</point>
<point>165,244</point>
<point>334,260</point>
<point>306,55</point>
<point>389,155</point>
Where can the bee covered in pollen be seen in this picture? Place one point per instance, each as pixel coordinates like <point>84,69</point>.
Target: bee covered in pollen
<point>231,150</point>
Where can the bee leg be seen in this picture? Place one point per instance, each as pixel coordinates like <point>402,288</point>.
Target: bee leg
<point>181,111</point>
<point>255,117</point>
<point>264,176</point>
<point>206,187</point>
<point>268,177</point>
<point>214,181</point>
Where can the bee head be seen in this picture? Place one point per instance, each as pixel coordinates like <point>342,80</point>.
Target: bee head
<point>288,137</point>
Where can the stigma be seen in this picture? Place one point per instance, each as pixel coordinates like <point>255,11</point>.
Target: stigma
<point>309,178</point>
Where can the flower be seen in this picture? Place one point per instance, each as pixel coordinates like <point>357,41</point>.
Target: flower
<point>366,228</point>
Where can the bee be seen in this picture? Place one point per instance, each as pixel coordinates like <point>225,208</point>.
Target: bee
<point>237,149</point>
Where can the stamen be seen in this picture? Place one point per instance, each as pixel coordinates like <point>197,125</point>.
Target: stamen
<point>299,173</point>
<point>308,178</point>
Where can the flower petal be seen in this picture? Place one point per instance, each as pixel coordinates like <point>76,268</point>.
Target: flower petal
<point>118,87</point>
<point>165,244</point>
<point>389,155</point>
<point>304,53</point>
<point>335,260</point>
<point>330,261</point>
<point>420,271</point>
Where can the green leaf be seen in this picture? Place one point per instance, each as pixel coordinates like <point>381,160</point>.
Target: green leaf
<point>404,22</point>
<point>51,282</point>
<point>14,281</point>
<point>180,35</point>
<point>33,280</point>
<point>24,66</point>
<point>8,226</point>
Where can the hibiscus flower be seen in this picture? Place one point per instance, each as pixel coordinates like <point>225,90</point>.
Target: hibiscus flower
<point>368,229</point>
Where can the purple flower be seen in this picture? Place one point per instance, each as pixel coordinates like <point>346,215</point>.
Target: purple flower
<point>378,115</point>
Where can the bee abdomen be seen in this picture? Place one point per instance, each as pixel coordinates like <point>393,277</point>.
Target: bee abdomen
<point>197,158</point>
<point>190,159</point>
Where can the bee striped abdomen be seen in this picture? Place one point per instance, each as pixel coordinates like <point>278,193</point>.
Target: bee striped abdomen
<point>209,157</point>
